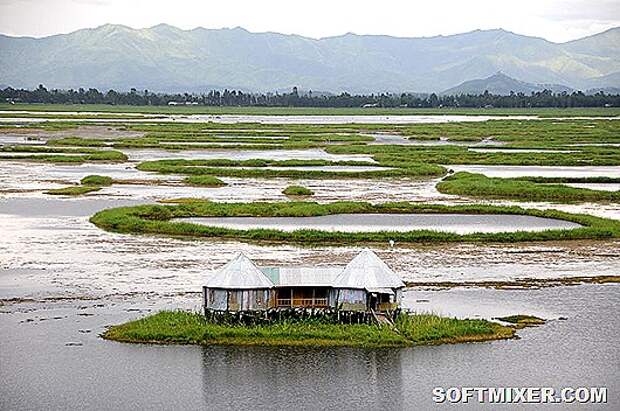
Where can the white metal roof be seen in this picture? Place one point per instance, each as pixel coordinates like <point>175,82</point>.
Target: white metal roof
<point>239,273</point>
<point>367,271</point>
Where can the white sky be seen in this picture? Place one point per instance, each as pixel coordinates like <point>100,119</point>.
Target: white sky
<point>555,20</point>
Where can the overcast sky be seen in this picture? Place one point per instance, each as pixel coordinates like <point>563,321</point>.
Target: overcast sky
<point>555,20</point>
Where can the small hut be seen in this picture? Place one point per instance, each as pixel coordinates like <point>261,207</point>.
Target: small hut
<point>367,283</point>
<point>238,286</point>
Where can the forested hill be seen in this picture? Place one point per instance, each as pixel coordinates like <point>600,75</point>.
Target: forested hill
<point>167,59</point>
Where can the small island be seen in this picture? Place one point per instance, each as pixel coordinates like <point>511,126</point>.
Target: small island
<point>181,327</point>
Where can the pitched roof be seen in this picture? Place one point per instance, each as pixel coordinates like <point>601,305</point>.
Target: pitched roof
<point>239,273</point>
<point>367,271</point>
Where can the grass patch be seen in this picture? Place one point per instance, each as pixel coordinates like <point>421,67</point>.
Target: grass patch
<point>478,185</point>
<point>96,180</point>
<point>297,191</point>
<point>522,321</point>
<point>204,181</point>
<point>73,190</point>
<point>155,219</point>
<point>179,327</point>
<point>257,169</point>
<point>61,154</point>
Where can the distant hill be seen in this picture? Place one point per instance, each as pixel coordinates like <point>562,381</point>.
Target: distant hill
<point>165,58</point>
<point>502,84</point>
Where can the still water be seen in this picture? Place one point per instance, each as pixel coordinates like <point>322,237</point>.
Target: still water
<point>52,358</point>
<point>453,223</point>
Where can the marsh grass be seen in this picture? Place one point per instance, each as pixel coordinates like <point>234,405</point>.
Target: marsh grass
<point>155,219</point>
<point>297,191</point>
<point>59,154</point>
<point>522,321</point>
<point>180,327</point>
<point>204,181</point>
<point>96,180</point>
<point>478,185</point>
<point>72,190</point>
<point>256,169</point>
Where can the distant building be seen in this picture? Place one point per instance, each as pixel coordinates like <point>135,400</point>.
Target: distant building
<point>365,284</point>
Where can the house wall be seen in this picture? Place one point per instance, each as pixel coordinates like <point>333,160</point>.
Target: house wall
<point>216,299</point>
<point>351,299</point>
<point>249,300</point>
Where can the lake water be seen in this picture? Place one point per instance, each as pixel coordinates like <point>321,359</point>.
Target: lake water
<point>40,371</point>
<point>453,223</point>
<point>273,119</point>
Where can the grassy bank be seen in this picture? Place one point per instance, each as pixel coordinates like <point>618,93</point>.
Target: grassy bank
<point>179,327</point>
<point>155,219</point>
<point>478,185</point>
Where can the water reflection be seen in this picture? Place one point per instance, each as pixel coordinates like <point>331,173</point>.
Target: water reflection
<point>302,378</point>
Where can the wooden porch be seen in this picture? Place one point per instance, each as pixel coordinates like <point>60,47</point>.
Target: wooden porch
<point>303,297</point>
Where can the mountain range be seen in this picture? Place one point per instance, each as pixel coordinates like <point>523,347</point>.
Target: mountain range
<point>165,58</point>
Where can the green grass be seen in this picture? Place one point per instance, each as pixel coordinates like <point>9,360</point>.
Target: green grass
<point>155,219</point>
<point>179,327</point>
<point>59,154</point>
<point>552,112</point>
<point>522,321</point>
<point>256,169</point>
<point>478,185</point>
<point>96,180</point>
<point>72,190</point>
<point>297,191</point>
<point>204,181</point>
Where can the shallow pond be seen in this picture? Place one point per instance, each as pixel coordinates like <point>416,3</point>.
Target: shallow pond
<point>453,223</point>
<point>540,171</point>
<point>308,154</point>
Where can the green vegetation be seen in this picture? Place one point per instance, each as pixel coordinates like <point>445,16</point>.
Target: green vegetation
<point>88,184</point>
<point>77,142</point>
<point>60,154</point>
<point>155,219</point>
<point>257,169</point>
<point>179,327</point>
<point>204,181</point>
<point>297,191</point>
<point>478,185</point>
<point>522,321</point>
<point>72,190</point>
<point>96,180</point>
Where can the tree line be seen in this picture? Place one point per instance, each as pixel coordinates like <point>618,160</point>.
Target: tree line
<point>545,98</point>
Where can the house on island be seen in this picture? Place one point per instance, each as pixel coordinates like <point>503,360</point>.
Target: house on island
<point>365,284</point>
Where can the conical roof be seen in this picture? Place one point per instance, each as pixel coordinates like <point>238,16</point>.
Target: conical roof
<point>239,273</point>
<point>369,272</point>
